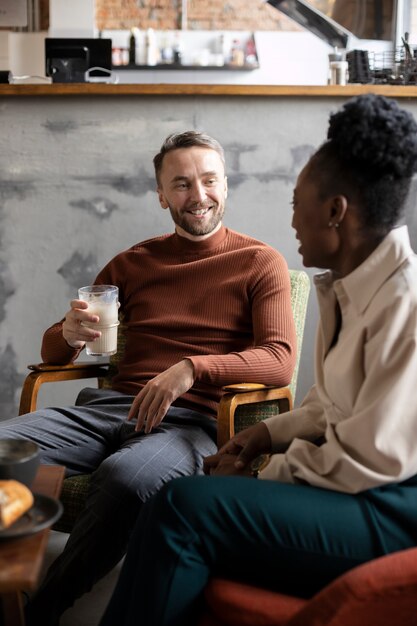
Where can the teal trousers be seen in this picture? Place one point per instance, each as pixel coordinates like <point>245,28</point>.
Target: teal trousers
<point>290,538</point>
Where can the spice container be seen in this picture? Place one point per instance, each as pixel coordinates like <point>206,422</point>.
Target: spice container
<point>338,69</point>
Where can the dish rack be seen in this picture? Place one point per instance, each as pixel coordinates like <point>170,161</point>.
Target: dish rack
<point>396,67</point>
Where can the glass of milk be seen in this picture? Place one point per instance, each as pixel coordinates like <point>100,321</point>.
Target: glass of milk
<point>102,301</point>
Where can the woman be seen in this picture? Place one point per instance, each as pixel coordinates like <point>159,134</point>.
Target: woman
<point>340,487</point>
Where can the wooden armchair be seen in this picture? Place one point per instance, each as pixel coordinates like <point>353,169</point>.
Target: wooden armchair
<point>241,405</point>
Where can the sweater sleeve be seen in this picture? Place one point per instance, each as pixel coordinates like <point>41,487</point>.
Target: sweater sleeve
<point>271,360</point>
<point>55,349</point>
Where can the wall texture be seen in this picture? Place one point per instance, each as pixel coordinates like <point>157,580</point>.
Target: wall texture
<point>201,15</point>
<point>359,17</point>
<point>77,186</point>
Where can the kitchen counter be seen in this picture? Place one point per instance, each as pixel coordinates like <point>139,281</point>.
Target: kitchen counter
<point>102,89</point>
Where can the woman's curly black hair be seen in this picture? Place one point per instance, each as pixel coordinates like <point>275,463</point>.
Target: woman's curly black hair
<point>370,157</point>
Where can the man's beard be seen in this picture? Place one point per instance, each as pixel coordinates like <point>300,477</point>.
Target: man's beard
<point>195,228</point>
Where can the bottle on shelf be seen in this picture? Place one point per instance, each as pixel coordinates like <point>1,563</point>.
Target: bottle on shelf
<point>251,57</point>
<point>220,50</point>
<point>177,49</point>
<point>151,47</point>
<point>132,47</point>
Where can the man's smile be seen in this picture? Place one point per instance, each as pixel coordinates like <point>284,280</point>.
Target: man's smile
<point>199,211</point>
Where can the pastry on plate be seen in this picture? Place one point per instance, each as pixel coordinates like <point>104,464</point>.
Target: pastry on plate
<point>15,500</point>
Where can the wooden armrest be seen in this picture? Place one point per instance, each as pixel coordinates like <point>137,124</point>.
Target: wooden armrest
<point>43,373</point>
<point>236,397</point>
<point>84,365</point>
<point>244,387</point>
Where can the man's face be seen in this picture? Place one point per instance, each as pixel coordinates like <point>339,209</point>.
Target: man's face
<point>192,184</point>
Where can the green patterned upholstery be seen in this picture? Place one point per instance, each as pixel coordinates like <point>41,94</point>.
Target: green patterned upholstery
<point>248,414</point>
<point>73,497</point>
<point>75,489</point>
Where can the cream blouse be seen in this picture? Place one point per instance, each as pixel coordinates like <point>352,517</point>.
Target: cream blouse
<point>364,401</point>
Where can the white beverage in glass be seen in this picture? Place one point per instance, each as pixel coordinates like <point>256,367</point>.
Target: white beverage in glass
<point>102,301</point>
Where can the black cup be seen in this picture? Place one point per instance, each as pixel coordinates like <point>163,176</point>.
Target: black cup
<point>19,460</point>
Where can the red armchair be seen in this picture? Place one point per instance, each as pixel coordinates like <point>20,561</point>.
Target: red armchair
<point>382,592</point>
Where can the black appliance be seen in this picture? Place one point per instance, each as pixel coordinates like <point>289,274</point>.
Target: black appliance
<point>68,59</point>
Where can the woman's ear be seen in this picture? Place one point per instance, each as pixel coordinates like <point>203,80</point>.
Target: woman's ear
<point>338,209</point>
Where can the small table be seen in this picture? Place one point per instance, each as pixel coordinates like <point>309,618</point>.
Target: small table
<point>21,559</point>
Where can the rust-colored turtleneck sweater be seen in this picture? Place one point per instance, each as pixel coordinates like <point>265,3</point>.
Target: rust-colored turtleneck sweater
<point>223,302</point>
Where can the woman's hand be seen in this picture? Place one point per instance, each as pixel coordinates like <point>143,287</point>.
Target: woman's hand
<point>227,467</point>
<point>243,447</point>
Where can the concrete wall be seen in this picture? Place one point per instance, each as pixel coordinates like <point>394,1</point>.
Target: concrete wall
<point>77,186</point>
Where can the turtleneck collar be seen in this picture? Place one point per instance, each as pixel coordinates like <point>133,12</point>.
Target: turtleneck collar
<point>187,246</point>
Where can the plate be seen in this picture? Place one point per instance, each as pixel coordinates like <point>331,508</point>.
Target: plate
<point>43,513</point>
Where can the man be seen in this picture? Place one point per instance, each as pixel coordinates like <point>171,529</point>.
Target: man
<point>202,307</point>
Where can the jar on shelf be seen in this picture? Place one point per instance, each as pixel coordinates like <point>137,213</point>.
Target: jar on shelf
<point>338,69</point>
<point>237,54</point>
